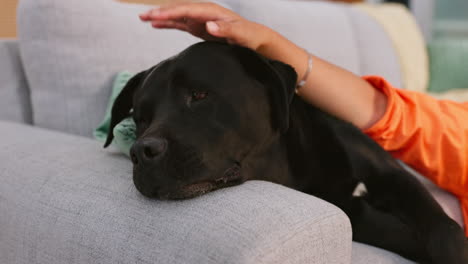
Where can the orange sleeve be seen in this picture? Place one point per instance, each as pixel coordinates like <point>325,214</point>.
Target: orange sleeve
<point>429,135</point>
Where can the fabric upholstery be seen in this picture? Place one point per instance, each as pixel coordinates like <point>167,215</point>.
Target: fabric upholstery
<point>15,103</point>
<point>377,55</point>
<point>64,199</point>
<point>407,40</point>
<point>335,32</point>
<point>72,50</point>
<point>365,254</point>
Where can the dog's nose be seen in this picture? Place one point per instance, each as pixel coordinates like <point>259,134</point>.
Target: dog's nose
<point>148,149</point>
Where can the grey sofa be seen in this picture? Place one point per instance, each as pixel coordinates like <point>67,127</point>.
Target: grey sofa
<point>64,199</point>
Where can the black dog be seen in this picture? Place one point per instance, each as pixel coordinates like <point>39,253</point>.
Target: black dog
<point>217,115</point>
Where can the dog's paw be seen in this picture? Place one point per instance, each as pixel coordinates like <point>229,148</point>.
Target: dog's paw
<point>447,244</point>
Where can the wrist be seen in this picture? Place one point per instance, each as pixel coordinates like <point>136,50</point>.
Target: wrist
<point>266,38</point>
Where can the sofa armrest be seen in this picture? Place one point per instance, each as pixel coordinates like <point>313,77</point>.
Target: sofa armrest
<point>63,199</point>
<point>15,104</point>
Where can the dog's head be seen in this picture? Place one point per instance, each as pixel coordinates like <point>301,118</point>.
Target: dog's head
<point>200,114</point>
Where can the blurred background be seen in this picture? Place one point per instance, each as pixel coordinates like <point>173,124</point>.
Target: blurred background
<point>8,15</point>
<point>444,18</point>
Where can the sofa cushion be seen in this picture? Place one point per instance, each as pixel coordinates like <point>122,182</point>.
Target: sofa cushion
<point>15,104</point>
<point>64,199</point>
<point>339,33</point>
<point>408,41</point>
<point>72,50</point>
<point>365,254</point>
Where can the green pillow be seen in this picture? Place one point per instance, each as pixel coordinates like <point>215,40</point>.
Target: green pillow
<point>448,64</point>
<point>124,132</point>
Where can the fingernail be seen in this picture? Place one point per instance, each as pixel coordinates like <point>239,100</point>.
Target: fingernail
<point>151,13</point>
<point>212,26</point>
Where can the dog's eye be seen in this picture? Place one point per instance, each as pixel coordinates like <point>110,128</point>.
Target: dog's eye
<point>197,96</point>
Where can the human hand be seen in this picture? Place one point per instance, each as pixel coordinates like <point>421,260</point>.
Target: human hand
<point>209,21</point>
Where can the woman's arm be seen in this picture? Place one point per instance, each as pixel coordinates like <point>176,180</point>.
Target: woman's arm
<point>331,88</point>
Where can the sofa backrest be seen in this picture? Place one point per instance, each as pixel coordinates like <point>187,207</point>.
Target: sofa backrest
<point>339,33</point>
<point>71,50</point>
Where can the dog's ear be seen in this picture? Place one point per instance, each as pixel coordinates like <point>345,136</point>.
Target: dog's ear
<point>284,91</point>
<point>278,77</point>
<point>123,104</point>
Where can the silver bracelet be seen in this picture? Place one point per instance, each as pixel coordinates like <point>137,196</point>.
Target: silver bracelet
<point>306,74</point>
